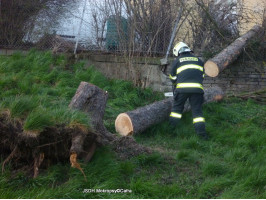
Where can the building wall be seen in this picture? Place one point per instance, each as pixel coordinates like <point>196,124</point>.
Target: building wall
<point>254,9</point>
<point>245,77</point>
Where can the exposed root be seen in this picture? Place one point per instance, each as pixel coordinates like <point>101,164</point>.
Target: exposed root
<point>11,155</point>
<point>37,163</point>
<point>52,143</point>
<point>91,152</point>
<point>75,164</point>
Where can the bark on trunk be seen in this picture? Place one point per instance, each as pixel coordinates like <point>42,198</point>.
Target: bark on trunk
<point>92,100</point>
<point>218,63</point>
<point>138,120</point>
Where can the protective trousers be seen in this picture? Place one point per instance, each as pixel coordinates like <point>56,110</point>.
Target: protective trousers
<point>196,101</point>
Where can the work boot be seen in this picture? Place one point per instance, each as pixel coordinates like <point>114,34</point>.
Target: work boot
<point>203,136</point>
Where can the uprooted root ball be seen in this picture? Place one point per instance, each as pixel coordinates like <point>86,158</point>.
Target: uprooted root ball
<point>39,149</point>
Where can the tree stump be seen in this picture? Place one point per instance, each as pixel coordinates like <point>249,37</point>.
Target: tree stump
<point>92,100</point>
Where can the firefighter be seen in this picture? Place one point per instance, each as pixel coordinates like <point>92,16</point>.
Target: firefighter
<point>187,74</point>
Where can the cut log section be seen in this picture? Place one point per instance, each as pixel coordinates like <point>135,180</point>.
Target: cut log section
<point>218,63</point>
<point>138,120</point>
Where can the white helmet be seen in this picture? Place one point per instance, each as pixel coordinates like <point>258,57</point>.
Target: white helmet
<point>180,47</point>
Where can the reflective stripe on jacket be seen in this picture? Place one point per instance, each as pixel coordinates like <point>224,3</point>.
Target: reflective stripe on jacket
<point>187,73</point>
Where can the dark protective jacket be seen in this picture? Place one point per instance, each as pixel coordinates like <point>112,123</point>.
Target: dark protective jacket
<point>187,73</point>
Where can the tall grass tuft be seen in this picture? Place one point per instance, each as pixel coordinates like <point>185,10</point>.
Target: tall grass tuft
<point>22,105</point>
<point>38,120</point>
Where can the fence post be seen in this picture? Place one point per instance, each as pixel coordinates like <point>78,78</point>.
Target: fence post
<point>77,41</point>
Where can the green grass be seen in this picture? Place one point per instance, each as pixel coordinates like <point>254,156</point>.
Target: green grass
<point>37,88</point>
<point>231,164</point>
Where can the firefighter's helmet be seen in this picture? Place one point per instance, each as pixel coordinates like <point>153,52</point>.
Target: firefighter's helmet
<point>180,47</point>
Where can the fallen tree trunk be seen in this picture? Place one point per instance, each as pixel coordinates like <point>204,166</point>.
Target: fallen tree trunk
<point>138,120</point>
<point>221,61</point>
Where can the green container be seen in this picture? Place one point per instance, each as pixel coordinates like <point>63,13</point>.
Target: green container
<point>116,32</point>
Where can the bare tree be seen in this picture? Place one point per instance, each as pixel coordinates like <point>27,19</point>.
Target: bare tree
<point>18,17</point>
<point>149,23</point>
<point>152,23</point>
<point>100,13</point>
<point>216,23</point>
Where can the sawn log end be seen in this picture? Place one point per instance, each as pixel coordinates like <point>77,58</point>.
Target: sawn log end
<point>123,125</point>
<point>211,68</point>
